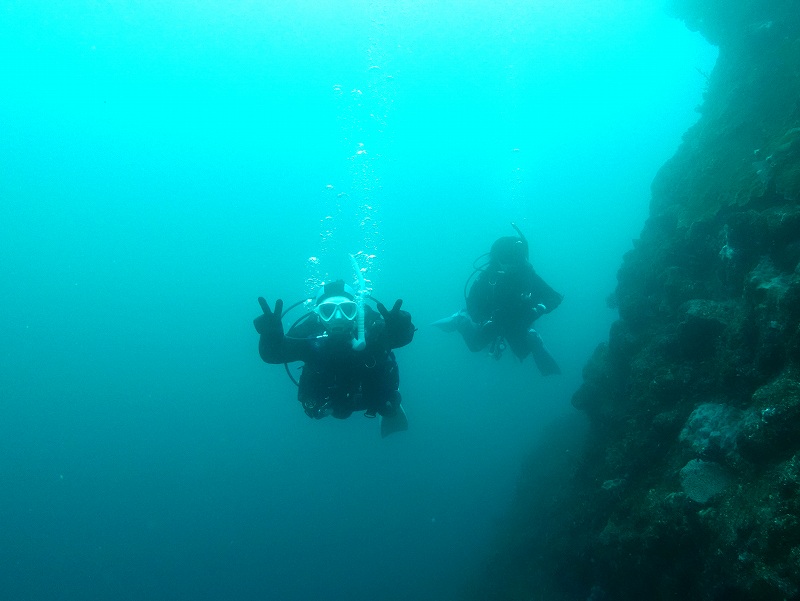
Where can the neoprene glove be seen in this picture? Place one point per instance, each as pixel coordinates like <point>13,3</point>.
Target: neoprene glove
<point>398,323</point>
<point>270,322</point>
<point>537,311</point>
<point>395,318</point>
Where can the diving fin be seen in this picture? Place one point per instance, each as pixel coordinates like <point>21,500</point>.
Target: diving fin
<point>452,323</point>
<point>541,356</point>
<point>545,362</point>
<point>397,422</point>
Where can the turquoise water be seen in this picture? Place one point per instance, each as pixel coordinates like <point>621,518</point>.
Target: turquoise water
<point>162,164</point>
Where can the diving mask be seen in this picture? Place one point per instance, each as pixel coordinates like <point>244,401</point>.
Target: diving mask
<point>336,308</point>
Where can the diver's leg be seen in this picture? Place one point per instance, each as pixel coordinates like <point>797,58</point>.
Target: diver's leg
<point>478,335</point>
<point>387,389</point>
<point>393,418</point>
<point>390,403</point>
<point>452,323</point>
<point>379,384</point>
<point>312,394</point>
<point>475,335</point>
<point>541,356</point>
<point>372,404</point>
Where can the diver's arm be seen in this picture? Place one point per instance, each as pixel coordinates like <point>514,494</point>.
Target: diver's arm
<point>280,349</point>
<point>479,299</point>
<point>543,294</point>
<point>273,346</point>
<point>403,332</point>
<point>270,349</point>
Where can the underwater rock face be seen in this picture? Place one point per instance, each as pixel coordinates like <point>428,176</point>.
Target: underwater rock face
<point>770,431</point>
<point>703,480</point>
<point>689,484</point>
<point>711,430</point>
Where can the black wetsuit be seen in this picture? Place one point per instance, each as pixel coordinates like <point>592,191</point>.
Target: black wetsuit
<point>505,305</point>
<point>336,379</point>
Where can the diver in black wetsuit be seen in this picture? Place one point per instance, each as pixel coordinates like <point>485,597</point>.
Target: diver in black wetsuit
<point>503,302</point>
<point>346,348</point>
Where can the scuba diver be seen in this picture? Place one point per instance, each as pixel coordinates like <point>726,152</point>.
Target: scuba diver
<point>503,302</point>
<point>346,350</point>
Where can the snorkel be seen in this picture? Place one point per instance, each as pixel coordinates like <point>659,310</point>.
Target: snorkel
<point>359,343</point>
<point>522,237</point>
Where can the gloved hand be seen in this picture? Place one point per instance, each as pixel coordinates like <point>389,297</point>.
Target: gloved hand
<point>538,311</point>
<point>397,321</point>
<point>270,321</point>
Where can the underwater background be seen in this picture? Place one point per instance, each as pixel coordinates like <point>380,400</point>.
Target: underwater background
<point>163,164</point>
